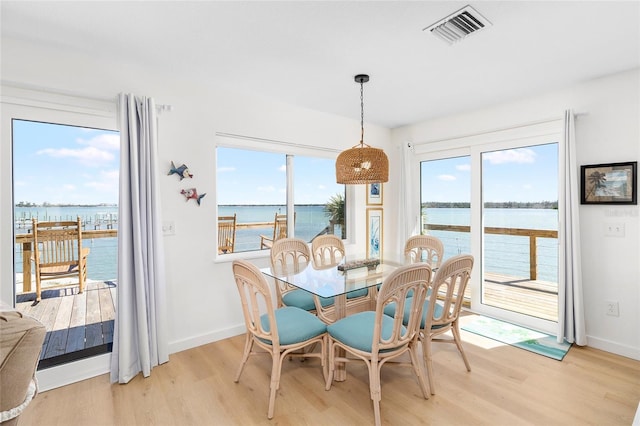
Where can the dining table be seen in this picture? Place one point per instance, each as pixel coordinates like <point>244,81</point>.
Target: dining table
<point>353,273</point>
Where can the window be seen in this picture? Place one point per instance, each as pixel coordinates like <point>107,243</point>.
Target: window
<point>255,186</point>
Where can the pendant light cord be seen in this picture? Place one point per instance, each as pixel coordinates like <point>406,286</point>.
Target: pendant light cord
<point>361,112</point>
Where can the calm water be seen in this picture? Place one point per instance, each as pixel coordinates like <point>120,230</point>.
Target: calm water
<point>503,254</point>
<point>310,221</point>
<point>102,262</point>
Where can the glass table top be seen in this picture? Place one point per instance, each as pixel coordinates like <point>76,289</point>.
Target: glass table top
<point>331,281</point>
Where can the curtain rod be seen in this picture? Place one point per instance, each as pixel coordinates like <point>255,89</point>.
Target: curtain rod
<point>103,99</point>
<point>272,141</point>
<point>33,87</point>
<point>501,129</point>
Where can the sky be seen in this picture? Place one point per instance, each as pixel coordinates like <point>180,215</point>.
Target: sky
<point>521,175</point>
<point>255,177</point>
<point>62,164</point>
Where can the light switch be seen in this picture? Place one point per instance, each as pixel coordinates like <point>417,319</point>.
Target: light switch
<point>614,229</point>
<point>168,228</point>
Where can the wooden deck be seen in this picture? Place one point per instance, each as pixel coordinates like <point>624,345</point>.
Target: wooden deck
<point>531,297</point>
<point>78,325</point>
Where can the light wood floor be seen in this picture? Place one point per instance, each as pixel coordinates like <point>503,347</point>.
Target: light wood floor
<point>507,386</point>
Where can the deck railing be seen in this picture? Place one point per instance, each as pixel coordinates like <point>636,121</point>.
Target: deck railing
<point>520,232</point>
<point>26,242</point>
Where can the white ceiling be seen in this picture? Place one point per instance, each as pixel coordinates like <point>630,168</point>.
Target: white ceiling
<point>306,53</point>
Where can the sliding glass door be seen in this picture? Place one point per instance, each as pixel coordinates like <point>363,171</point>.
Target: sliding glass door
<point>519,232</point>
<point>499,202</point>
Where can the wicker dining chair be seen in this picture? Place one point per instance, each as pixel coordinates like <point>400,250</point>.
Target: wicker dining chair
<point>376,338</point>
<point>328,251</point>
<point>441,313</point>
<point>293,254</point>
<point>280,332</point>
<point>424,248</point>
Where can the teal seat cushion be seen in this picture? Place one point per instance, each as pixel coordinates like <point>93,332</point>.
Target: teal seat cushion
<point>390,310</point>
<point>358,293</point>
<point>304,300</point>
<point>295,325</point>
<point>357,330</point>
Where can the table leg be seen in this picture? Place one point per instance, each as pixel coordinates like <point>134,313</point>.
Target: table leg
<point>340,373</point>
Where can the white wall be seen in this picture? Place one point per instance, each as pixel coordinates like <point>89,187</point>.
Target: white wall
<point>607,131</point>
<point>202,297</point>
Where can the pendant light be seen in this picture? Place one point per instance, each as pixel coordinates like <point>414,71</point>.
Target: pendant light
<point>362,164</point>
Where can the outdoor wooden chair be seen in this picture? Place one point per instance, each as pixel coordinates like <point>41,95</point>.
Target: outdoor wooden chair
<point>58,253</point>
<point>279,231</point>
<point>376,338</point>
<point>280,332</point>
<point>226,234</point>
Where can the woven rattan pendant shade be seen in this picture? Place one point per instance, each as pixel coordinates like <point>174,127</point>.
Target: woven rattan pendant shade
<point>362,164</point>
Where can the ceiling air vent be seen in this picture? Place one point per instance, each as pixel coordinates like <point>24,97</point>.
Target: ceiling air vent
<point>459,25</point>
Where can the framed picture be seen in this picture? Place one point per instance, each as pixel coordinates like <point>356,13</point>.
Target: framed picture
<point>374,194</point>
<point>613,183</point>
<point>374,233</point>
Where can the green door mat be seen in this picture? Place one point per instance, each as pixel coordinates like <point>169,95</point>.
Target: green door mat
<point>523,338</point>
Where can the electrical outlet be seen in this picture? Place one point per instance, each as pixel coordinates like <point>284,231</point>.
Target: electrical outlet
<point>612,307</point>
<point>614,229</point>
<point>168,228</point>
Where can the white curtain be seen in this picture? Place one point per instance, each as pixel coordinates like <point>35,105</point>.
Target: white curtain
<point>140,336</point>
<point>408,210</point>
<point>571,325</point>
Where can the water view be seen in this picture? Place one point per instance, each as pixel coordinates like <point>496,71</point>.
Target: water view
<point>102,262</point>
<point>504,254</point>
<point>507,255</point>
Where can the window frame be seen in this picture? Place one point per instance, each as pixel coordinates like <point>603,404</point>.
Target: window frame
<point>290,151</point>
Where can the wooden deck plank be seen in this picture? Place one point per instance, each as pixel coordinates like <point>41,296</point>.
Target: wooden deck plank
<point>107,310</point>
<point>79,312</point>
<point>63,316</point>
<point>75,339</point>
<point>93,335</point>
<point>59,332</point>
<point>57,343</point>
<point>93,327</point>
<point>47,317</point>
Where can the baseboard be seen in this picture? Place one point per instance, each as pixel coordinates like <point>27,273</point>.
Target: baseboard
<point>614,348</point>
<point>203,339</point>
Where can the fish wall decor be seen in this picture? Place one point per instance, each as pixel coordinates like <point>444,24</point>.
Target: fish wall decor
<point>182,171</point>
<point>192,194</point>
